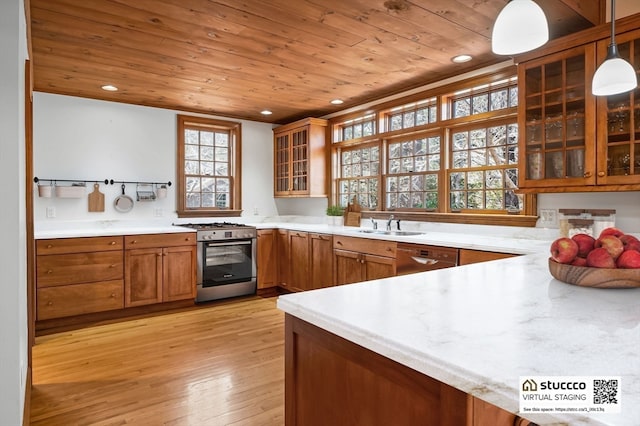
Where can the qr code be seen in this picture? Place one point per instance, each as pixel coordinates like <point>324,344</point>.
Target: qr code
<point>605,391</point>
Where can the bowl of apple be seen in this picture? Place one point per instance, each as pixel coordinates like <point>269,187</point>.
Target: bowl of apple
<point>612,260</point>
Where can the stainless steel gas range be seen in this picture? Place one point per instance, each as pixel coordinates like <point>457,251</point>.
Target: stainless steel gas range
<point>226,260</point>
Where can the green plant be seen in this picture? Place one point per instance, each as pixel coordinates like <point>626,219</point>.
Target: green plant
<point>335,211</point>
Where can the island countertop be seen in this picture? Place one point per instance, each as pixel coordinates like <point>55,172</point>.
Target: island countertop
<point>480,327</point>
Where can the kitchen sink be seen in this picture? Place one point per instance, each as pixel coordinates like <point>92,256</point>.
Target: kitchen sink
<point>399,233</point>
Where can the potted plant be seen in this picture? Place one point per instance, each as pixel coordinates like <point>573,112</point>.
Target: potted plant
<point>335,215</point>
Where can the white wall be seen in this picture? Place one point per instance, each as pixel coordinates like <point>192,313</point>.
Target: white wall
<point>13,303</point>
<point>77,138</point>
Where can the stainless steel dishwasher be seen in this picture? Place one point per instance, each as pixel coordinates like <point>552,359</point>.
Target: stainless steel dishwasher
<point>411,258</point>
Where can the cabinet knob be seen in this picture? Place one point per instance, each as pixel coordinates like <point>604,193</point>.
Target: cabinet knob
<point>187,239</point>
<point>339,243</point>
<point>600,174</point>
<point>50,271</point>
<point>49,303</point>
<point>159,254</point>
<point>134,242</point>
<point>113,295</point>
<point>49,245</point>
<point>112,243</point>
<point>389,249</point>
<point>112,265</point>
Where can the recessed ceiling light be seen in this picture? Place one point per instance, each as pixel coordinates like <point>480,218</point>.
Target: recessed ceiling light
<point>110,88</point>
<point>266,112</point>
<point>337,101</point>
<point>461,59</point>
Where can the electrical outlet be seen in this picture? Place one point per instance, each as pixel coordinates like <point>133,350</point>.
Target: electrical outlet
<point>51,212</point>
<point>548,217</point>
<point>158,212</point>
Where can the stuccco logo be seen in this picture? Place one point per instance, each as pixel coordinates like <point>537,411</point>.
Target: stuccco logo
<point>529,385</point>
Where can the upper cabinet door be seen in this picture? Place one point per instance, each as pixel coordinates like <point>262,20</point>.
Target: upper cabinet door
<point>300,158</point>
<point>619,122</point>
<point>557,118</point>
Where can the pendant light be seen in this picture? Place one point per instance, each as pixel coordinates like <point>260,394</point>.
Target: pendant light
<point>615,75</point>
<point>521,26</point>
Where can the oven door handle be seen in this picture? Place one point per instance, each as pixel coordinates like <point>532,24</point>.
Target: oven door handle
<point>235,243</point>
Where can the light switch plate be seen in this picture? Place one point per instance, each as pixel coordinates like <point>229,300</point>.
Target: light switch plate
<point>51,212</point>
<point>548,217</point>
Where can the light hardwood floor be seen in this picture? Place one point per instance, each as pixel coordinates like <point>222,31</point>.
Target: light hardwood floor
<point>222,364</point>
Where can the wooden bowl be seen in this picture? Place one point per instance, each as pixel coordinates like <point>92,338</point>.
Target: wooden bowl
<point>595,277</point>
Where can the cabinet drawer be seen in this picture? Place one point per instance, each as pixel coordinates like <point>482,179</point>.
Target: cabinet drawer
<point>365,245</point>
<point>78,245</point>
<point>159,240</point>
<point>77,299</point>
<point>63,269</point>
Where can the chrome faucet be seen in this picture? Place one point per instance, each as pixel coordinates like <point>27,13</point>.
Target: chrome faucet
<point>389,222</point>
<point>375,224</point>
<point>398,224</point>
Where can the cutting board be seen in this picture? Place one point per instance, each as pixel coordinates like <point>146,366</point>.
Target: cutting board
<point>96,199</point>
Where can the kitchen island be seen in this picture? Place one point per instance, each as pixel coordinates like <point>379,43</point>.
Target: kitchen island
<point>478,329</point>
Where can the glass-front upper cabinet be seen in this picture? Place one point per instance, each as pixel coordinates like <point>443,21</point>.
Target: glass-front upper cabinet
<point>557,116</point>
<point>300,158</point>
<point>619,122</point>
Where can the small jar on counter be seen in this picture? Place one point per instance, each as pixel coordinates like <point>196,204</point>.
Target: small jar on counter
<point>602,219</point>
<point>574,221</point>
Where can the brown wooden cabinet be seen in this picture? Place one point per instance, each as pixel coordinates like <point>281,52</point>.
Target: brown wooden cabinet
<point>284,265</point>
<point>300,159</point>
<point>361,259</point>
<point>267,262</point>
<point>299,260</point>
<point>77,276</point>
<point>320,366</point>
<point>321,256</point>
<point>569,139</point>
<point>618,162</point>
<point>159,268</point>
<point>557,120</point>
<point>467,256</point>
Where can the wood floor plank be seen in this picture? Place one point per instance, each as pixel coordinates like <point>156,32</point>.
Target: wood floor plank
<point>221,364</point>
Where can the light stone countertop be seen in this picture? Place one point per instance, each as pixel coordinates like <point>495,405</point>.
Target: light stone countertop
<point>480,327</point>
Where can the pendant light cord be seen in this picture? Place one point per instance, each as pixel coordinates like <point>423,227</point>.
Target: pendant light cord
<point>612,51</point>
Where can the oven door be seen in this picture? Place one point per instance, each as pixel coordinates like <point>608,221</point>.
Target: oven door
<point>227,262</point>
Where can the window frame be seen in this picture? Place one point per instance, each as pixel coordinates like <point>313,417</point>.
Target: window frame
<point>186,122</point>
<point>445,125</point>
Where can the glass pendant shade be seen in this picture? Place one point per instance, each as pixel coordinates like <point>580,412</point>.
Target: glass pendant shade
<point>521,26</point>
<point>614,76</point>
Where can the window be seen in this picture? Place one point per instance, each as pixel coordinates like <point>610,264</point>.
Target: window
<point>360,174</point>
<point>453,152</point>
<point>357,128</point>
<point>208,167</point>
<point>484,168</point>
<point>413,168</point>
<point>489,97</point>
<point>412,115</point>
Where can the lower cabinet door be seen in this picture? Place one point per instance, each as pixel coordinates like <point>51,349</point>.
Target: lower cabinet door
<point>143,277</point>
<point>179,273</point>
<point>78,299</point>
<point>347,267</point>
<point>377,267</point>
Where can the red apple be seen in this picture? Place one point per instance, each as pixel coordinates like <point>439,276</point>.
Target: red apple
<point>564,250</point>
<point>611,231</point>
<point>629,259</point>
<point>585,243</point>
<point>611,243</point>
<point>600,258</point>
<point>579,261</point>
<point>630,242</point>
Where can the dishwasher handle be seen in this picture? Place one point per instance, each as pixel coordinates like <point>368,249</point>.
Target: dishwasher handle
<point>424,260</point>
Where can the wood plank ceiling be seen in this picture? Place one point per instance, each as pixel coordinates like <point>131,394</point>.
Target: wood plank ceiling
<point>237,57</point>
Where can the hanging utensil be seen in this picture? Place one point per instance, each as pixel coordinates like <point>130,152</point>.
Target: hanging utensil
<point>123,203</point>
<point>96,199</point>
